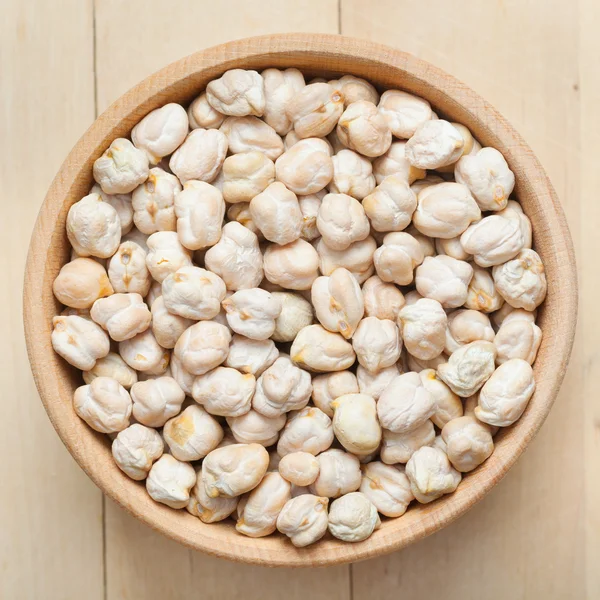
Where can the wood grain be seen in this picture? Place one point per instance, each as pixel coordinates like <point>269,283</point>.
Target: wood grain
<point>50,512</point>
<point>325,55</point>
<point>541,502</point>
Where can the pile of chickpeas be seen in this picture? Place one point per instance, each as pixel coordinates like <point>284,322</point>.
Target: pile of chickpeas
<point>301,306</point>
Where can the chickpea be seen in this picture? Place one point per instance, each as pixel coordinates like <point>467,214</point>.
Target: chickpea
<point>425,182</point>
<point>170,480</point>
<point>423,328</point>
<point>514,210</point>
<point>315,109</point>
<point>203,347</point>
<point>167,327</point>
<point>306,167</point>
<point>470,147</point>
<point>143,353</point>
<point>238,93</point>
<point>388,488</point>
<point>234,470</point>
<point>468,443</point>
<point>399,447</point>
<point>121,203</point>
<point>435,143</point>
<point>404,112</point>
<point>307,430</point>
<point>444,279</point>
<point>121,168</point>
<point>309,207</point>
<point>281,387</point>
<point>482,295</point>
<point>294,266</point>
<point>299,468</point>
<point>251,356</point>
<point>466,326</point>
<point>240,212</point>
<point>304,519</point>
<point>468,368</point>
<point>252,313</point>
<point>155,401</point>
<point>377,343</point>
<point>364,129</point>
<point>431,475</point>
<point>224,391</point>
<point>373,384</point>
<point>104,405</point>
<point>79,341</point>
<point>352,175</point>
<point>135,449</point>
<point>246,175</point>
<point>452,247</point>
<point>246,134</point>
<point>353,518</point>
<point>391,205</point>
<point>184,378</point>
<point>355,423</point>
<point>396,259</point>
<point>296,313</point>
<point>280,89</point>
<point>339,474</point>
<point>93,227</point>
<point>320,350</point>
<point>166,255</point>
<point>202,115</point>
<point>341,221</point>
<point>355,89</point>
<point>448,404</point>
<point>127,270</point>
<point>357,258</point>
<point>394,162</point>
<point>209,510</point>
<point>254,428</point>
<point>382,300</point>
<point>200,156</point>
<point>122,315</point>
<point>328,387</point>
<point>517,337</point>
<point>113,366</point>
<point>506,393</point>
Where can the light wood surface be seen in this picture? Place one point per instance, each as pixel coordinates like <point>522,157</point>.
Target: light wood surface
<point>537,531</point>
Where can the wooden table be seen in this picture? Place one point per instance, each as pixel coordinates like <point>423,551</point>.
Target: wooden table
<point>537,535</point>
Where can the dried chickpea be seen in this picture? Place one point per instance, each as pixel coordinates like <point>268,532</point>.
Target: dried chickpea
<point>121,168</point>
<point>245,175</point>
<point>373,384</point>
<point>280,89</point>
<point>113,366</point>
<point>251,356</point>
<point>315,109</point>
<point>396,259</point>
<point>296,313</point>
<point>200,156</point>
<point>246,134</point>
<point>431,475</point>
<point>435,143</point>
<point>104,405</point>
<point>167,327</point>
<point>452,247</point>
<point>391,204</point>
<point>79,341</point>
<point>122,315</point>
<point>423,328</point>
<point>328,387</point>
<point>387,487</point>
<point>203,347</point>
<point>353,518</point>
<point>394,162</point>
<point>294,266</point>
<point>237,93</point>
<point>184,378</point>
<point>364,129</point>
<point>466,326</point>
<point>306,167</point>
<point>121,203</point>
<point>355,423</point>
<point>341,221</point>
<point>155,401</point>
<point>170,480</point>
<point>352,175</point>
<point>252,313</point>
<point>153,202</point>
<point>127,270</point>
<point>399,447</point>
<point>202,115</point>
<point>254,428</point>
<point>404,112</point>
<point>355,89</point>
<point>357,258</point>
<point>339,474</point>
<point>135,449</point>
<point>304,519</point>
<point>80,283</point>
<point>444,279</point>
<point>166,255</point>
<point>240,212</point>
<point>382,300</point>
<point>309,207</point>
<point>320,350</point>
<point>224,391</point>
<point>482,294</point>
<point>377,343</point>
<point>448,405</point>
<point>299,468</point>
<point>143,353</point>
<point>468,443</point>
<point>307,430</point>
<point>518,337</point>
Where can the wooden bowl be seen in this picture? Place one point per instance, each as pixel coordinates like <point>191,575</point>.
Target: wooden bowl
<point>315,55</point>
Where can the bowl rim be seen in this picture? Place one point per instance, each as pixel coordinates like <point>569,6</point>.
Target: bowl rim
<point>324,51</point>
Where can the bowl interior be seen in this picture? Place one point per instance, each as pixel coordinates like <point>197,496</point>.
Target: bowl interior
<point>315,55</point>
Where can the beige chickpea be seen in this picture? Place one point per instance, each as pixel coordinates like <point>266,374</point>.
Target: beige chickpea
<point>444,279</point>
<point>296,313</point>
<point>423,328</point>
<point>405,404</point>
<point>427,244</point>
<point>445,210</point>
<point>470,147</point>
<point>199,209</point>
<point>466,326</point>
<point>112,365</point>
<point>155,401</point>
<point>203,347</point>
<point>202,115</point>
<point>339,474</point>
<point>121,203</point>
<point>209,510</point>
<point>254,428</point>
<point>246,134</point>
<point>193,293</point>
<point>121,168</point>
<point>426,182</point>
<point>494,240</point>
<point>517,338</point>
<point>143,353</point>
<point>170,481</point>
<point>93,227</point>
<point>299,468</point>
<point>192,434</point>
<point>293,138</point>
<point>506,311</point>
<point>355,89</point>
<point>307,430</point>
<point>258,517</point>
<point>236,258</point>
<point>320,350</point>
<point>488,178</point>
<point>240,212</point>
<point>306,167</point>
<point>394,162</point>
<point>382,300</point>
<point>200,156</point>
<point>352,175</point>
<point>353,517</point>
<point>399,447</point>
<point>234,470</point>
<point>280,388</point>
<point>377,343</point>
<point>280,89</point>
<point>338,302</point>
<point>391,205</point>
<point>153,202</point>
<point>522,281</point>
<point>224,391</point>
<point>309,207</point>
<point>468,443</point>
<point>357,258</point>
<point>135,235</point>
<point>246,175</point>
<point>161,131</point>
<point>396,259</point>
<point>277,214</point>
<point>404,112</point>
<point>304,519</point>
<point>166,326</point>
<point>514,210</point>
<point>79,341</point>
<point>251,356</point>
<point>184,378</point>
<point>451,247</point>
<point>364,129</point>
<point>328,387</point>
<point>482,294</point>
<point>448,404</point>
<point>373,384</point>
<point>387,487</point>
<point>252,313</point>
<point>238,93</point>
<point>435,143</point>
<point>104,405</point>
<point>166,255</point>
<point>468,368</point>
<point>315,109</point>
<point>470,404</point>
<point>506,393</point>
<point>341,221</point>
<point>294,266</point>
<point>355,423</point>
<point>439,443</point>
<point>431,475</point>
<point>127,270</point>
<point>135,449</point>
<point>122,315</point>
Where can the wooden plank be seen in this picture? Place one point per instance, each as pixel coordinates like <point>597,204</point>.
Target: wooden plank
<point>51,513</point>
<point>527,536</point>
<point>140,562</point>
